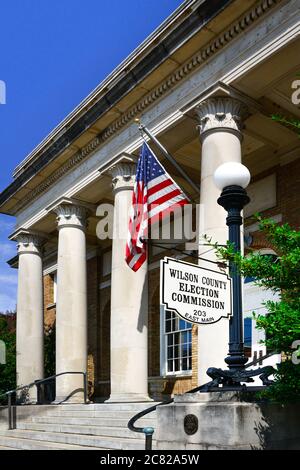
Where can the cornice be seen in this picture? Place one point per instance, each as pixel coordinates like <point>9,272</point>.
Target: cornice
<point>196,61</point>
<point>73,161</point>
<point>71,202</point>
<point>22,232</point>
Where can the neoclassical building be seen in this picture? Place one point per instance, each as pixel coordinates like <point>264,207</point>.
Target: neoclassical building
<point>206,84</point>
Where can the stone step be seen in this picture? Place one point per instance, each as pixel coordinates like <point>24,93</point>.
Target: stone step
<point>75,426</point>
<point>90,430</point>
<point>86,421</point>
<point>93,414</point>
<point>97,442</point>
<point>17,443</point>
<point>8,448</point>
<point>124,414</point>
<point>135,407</point>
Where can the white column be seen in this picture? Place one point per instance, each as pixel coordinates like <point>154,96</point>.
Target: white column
<point>71,304</point>
<point>220,127</point>
<point>129,303</point>
<point>30,313</point>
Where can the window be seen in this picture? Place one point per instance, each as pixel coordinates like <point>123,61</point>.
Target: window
<point>254,298</point>
<point>248,336</point>
<point>177,343</point>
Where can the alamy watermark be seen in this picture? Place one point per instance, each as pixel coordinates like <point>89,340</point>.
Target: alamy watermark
<point>182,223</point>
<point>296,353</point>
<point>2,352</point>
<point>296,94</point>
<point>2,92</point>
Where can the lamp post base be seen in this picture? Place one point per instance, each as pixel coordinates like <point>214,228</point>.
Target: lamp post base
<point>234,378</point>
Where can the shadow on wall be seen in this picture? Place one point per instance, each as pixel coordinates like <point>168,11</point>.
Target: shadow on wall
<point>143,312</point>
<point>278,428</point>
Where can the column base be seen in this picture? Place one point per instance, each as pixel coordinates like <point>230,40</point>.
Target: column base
<point>26,400</point>
<point>128,398</point>
<point>68,401</point>
<point>26,403</point>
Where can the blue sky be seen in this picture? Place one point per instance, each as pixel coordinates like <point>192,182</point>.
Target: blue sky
<point>53,53</point>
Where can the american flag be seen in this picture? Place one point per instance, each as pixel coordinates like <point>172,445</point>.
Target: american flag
<point>155,194</point>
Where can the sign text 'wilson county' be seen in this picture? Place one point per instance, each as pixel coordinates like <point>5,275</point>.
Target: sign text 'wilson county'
<point>197,294</point>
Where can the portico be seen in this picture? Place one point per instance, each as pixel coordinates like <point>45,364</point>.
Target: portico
<point>208,104</point>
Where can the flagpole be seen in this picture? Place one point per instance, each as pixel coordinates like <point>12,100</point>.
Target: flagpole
<point>168,156</point>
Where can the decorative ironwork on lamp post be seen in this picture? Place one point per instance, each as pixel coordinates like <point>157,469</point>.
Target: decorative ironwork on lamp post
<point>232,178</point>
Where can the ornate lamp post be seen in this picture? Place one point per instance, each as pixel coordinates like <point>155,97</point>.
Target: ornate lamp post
<point>232,178</point>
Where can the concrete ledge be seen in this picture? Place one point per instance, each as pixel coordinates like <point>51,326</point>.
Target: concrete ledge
<point>228,421</point>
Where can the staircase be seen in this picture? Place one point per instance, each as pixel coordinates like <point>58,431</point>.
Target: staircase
<point>77,427</point>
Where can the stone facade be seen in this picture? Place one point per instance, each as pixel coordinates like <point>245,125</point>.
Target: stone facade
<point>209,101</point>
<point>227,421</point>
<point>287,206</point>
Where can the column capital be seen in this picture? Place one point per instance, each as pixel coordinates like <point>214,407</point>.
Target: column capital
<point>29,242</point>
<point>71,215</point>
<point>123,175</point>
<point>221,114</point>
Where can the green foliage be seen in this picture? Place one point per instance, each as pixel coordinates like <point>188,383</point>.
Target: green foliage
<point>286,386</point>
<point>291,123</point>
<point>8,370</point>
<point>282,323</point>
<point>49,348</point>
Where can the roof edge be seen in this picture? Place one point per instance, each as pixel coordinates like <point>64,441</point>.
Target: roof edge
<point>195,15</point>
<point>114,76</point>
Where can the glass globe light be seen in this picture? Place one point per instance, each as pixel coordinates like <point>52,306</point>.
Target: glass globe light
<point>232,174</point>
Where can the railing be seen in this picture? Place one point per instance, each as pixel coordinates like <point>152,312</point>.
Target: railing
<point>11,423</point>
<point>149,431</point>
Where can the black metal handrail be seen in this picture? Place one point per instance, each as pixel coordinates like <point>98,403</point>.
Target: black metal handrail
<point>149,431</point>
<point>11,423</point>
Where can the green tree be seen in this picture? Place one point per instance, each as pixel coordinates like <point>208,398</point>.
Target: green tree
<point>291,123</point>
<point>49,349</point>
<point>282,322</point>
<point>7,370</point>
<point>8,336</point>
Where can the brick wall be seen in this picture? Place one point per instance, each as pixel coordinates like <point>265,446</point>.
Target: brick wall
<point>95,331</point>
<point>288,200</point>
<point>49,307</point>
<point>104,345</point>
<point>160,386</point>
<point>288,188</point>
<point>153,324</point>
<point>93,324</point>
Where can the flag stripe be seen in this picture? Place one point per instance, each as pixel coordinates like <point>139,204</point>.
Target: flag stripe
<point>165,205</point>
<point>164,198</point>
<point>159,186</point>
<point>162,193</point>
<point>155,194</point>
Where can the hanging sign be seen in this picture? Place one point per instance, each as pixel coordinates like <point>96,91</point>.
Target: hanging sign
<point>197,294</point>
